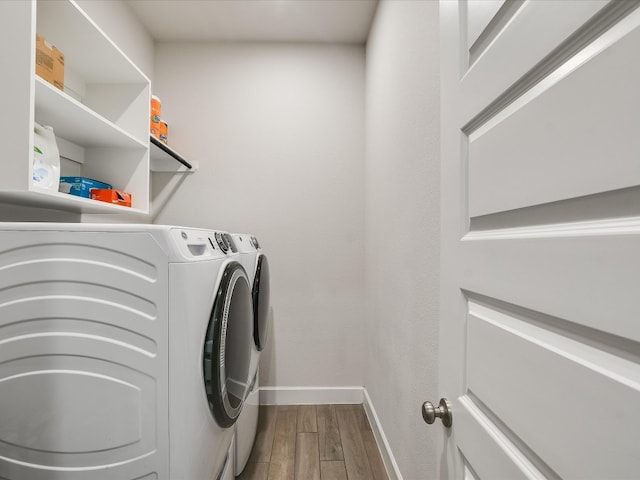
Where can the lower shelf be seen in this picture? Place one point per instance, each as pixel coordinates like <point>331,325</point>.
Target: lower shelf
<point>63,201</point>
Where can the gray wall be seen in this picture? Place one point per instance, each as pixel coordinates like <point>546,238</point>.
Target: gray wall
<point>402,228</point>
<point>278,133</point>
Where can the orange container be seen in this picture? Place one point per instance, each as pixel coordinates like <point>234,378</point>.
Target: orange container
<point>164,131</point>
<point>156,113</point>
<point>109,195</point>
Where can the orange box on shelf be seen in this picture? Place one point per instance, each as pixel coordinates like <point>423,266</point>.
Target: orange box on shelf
<point>49,62</point>
<point>117,197</point>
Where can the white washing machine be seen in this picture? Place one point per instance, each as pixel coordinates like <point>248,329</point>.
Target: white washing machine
<point>125,352</point>
<point>256,264</point>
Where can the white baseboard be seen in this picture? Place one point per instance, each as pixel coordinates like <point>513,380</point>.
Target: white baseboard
<point>324,395</point>
<point>309,395</point>
<point>387,455</point>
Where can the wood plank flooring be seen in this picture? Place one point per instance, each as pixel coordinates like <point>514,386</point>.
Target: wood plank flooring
<point>314,442</point>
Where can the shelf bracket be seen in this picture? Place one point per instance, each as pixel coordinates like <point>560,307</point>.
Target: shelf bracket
<point>165,154</point>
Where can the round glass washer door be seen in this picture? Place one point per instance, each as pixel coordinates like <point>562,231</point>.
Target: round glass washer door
<point>261,302</point>
<point>227,348</point>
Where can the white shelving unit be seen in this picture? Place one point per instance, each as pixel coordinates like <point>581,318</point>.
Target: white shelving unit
<point>103,112</point>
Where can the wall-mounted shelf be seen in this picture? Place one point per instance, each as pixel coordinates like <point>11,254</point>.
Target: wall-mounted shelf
<point>165,159</point>
<point>102,114</point>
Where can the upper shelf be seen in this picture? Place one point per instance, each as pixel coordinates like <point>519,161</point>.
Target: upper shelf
<point>76,122</point>
<point>164,159</point>
<point>86,48</point>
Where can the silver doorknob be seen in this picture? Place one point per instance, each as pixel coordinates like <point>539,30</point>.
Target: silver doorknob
<point>442,411</point>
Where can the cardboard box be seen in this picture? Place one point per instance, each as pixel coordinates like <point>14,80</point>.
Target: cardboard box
<point>49,62</point>
<point>117,197</point>
<point>80,186</point>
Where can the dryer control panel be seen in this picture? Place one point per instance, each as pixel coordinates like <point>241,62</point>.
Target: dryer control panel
<point>196,244</point>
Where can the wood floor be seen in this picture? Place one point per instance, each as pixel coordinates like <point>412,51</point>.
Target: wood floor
<point>314,442</point>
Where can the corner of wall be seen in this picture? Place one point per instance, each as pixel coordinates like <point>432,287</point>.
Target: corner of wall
<point>383,445</point>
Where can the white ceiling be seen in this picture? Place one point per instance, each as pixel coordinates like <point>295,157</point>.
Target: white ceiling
<point>326,21</point>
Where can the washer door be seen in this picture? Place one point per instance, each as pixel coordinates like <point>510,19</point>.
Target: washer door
<point>227,349</point>
<point>261,303</point>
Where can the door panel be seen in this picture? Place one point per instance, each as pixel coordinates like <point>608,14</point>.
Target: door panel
<point>493,453</point>
<point>520,40</point>
<point>517,161</point>
<point>574,276</point>
<point>479,16</point>
<point>540,232</point>
<point>548,368</point>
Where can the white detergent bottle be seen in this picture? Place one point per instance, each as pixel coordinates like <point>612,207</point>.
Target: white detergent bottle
<point>46,158</point>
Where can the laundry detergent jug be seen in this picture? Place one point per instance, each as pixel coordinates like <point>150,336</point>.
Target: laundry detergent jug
<point>46,158</point>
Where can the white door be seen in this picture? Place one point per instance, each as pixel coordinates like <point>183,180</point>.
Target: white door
<point>540,327</point>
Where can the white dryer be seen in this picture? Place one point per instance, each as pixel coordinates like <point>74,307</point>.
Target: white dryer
<point>256,264</point>
<point>125,351</point>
